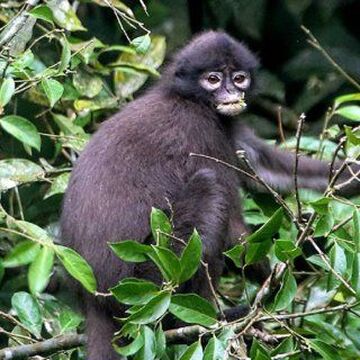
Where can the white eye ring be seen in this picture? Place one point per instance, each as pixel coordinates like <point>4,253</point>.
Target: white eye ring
<point>211,81</point>
<point>241,79</point>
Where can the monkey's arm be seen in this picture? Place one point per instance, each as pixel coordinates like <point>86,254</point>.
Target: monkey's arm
<point>276,167</point>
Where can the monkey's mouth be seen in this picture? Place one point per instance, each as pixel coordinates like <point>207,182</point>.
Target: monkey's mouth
<point>231,108</point>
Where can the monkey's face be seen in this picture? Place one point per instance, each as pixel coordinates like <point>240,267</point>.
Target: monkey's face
<point>215,70</point>
<point>226,90</point>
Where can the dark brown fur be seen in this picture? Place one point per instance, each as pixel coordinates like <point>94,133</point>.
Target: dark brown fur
<point>140,159</point>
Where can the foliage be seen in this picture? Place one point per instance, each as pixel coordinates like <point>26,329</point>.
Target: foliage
<point>58,82</point>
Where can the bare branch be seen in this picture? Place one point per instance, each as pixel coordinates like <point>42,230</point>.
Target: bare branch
<point>313,41</point>
<point>50,346</point>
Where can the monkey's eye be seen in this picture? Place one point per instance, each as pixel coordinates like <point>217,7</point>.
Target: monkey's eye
<point>213,79</point>
<point>241,79</point>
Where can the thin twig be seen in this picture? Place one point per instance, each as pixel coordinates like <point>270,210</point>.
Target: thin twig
<point>326,261</point>
<point>313,41</point>
<point>212,289</point>
<point>280,126</point>
<point>296,165</point>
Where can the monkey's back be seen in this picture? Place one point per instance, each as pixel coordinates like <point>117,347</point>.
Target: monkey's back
<point>137,159</point>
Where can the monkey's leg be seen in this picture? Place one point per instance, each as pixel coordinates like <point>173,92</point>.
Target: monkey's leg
<point>203,204</point>
<point>100,328</point>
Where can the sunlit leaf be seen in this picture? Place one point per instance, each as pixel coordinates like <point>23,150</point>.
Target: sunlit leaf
<point>346,98</point>
<point>53,90</point>
<point>190,257</point>
<point>59,185</point>
<point>40,270</point>
<point>167,262</point>
<point>194,352</point>
<point>42,12</point>
<point>214,350</point>
<point>142,44</point>
<point>77,267</point>
<point>21,254</point>
<point>160,224</point>
<point>129,81</point>
<point>28,311</point>
<point>7,90</point>
<point>193,309</point>
<point>134,291</point>
<point>129,250</point>
<point>351,112</point>
<point>64,15</point>
<point>152,311</point>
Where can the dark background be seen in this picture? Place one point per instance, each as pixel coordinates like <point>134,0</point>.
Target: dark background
<point>294,75</point>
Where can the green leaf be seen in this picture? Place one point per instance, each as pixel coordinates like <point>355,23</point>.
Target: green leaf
<point>59,185</point>
<point>2,271</point>
<point>214,350</point>
<point>86,84</point>
<point>190,257</point>
<point>28,312</point>
<point>22,254</point>
<point>7,90</point>
<point>286,293</point>
<point>67,125</point>
<point>22,129</point>
<point>351,112</point>
<point>256,251</point>
<point>286,250</point>
<point>235,254</point>
<point>141,44</point>
<point>318,261</point>
<point>321,206</point>
<point>346,98</point>
<point>77,267</point>
<point>159,221</point>
<point>285,346</point>
<point>326,351</point>
<point>53,90</point>
<point>338,263</point>
<point>134,291</point>
<point>259,351</point>
<point>152,311</point>
<point>128,81</point>
<point>324,225</point>
<point>148,351</point>
<point>160,341</point>
<point>36,233</point>
<point>14,172</point>
<point>268,229</point>
<point>131,251</point>
<point>131,348</point>
<point>193,352</point>
<point>65,55</point>
<point>167,262</point>
<point>69,320</point>
<point>355,276</point>
<point>193,309</point>
<point>40,270</point>
<point>42,12</point>
<point>356,221</point>
<point>64,15</point>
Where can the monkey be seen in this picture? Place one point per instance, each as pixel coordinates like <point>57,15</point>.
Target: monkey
<point>141,158</point>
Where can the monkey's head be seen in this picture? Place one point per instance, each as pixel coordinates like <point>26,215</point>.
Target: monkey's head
<point>215,69</point>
